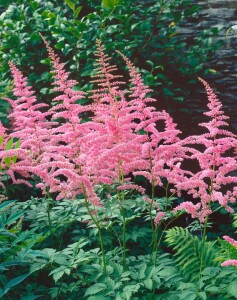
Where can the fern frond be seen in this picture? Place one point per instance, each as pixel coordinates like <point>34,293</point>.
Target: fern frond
<point>188,252</point>
<point>228,251</point>
<point>235,221</point>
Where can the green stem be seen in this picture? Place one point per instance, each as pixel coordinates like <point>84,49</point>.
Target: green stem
<point>99,230</point>
<point>49,219</point>
<point>203,247</point>
<point>150,211</point>
<point>121,200</point>
<point>166,196</point>
<point>155,246</point>
<point>154,229</point>
<point>124,237</point>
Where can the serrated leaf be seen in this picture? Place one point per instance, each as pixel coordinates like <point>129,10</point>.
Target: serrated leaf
<point>95,289</point>
<point>188,285</point>
<point>148,284</point>
<point>187,295</point>
<point>49,252</point>
<point>131,288</point>
<point>58,275</point>
<point>168,271</point>
<point>232,289</point>
<point>202,296</point>
<point>70,4</point>
<point>212,289</point>
<point>61,259</point>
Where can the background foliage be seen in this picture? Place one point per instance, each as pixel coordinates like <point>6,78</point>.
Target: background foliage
<point>148,32</point>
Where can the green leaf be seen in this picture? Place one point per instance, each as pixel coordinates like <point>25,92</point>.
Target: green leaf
<point>16,281</point>
<point>148,284</point>
<point>6,203</point>
<point>187,295</point>
<point>110,4</point>
<point>17,144</point>
<point>9,144</point>
<point>58,273</point>
<point>1,139</point>
<point>131,288</point>
<point>14,158</point>
<point>77,11</point>
<point>3,292</point>
<point>202,296</point>
<point>14,217</point>
<point>95,289</point>
<point>61,259</point>
<point>7,161</point>
<point>232,289</point>
<point>70,4</point>
<point>49,252</point>
<point>3,219</point>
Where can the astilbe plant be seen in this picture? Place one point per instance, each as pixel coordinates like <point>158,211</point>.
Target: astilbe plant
<point>124,136</point>
<point>213,182</point>
<point>30,125</point>
<point>161,153</point>
<point>71,136</point>
<point>117,146</point>
<point>129,141</point>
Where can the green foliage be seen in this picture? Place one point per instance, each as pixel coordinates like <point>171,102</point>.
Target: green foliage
<point>187,249</point>
<point>156,46</point>
<point>55,245</point>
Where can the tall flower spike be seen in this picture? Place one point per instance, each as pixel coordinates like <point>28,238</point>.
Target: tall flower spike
<point>105,78</point>
<point>29,124</point>
<point>117,147</point>
<point>161,155</point>
<point>71,134</point>
<point>216,166</point>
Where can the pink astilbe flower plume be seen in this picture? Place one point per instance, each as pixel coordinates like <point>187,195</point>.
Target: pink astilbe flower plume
<point>229,262</point>
<point>29,124</point>
<point>214,182</point>
<point>104,75</point>
<point>116,146</point>
<point>71,136</point>
<point>160,152</point>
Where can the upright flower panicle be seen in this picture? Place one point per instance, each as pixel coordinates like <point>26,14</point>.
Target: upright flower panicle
<point>30,125</point>
<point>71,135</point>
<point>216,166</point>
<point>161,154</point>
<point>117,146</point>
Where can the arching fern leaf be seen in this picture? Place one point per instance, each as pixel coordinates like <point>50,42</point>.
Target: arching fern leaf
<point>188,252</point>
